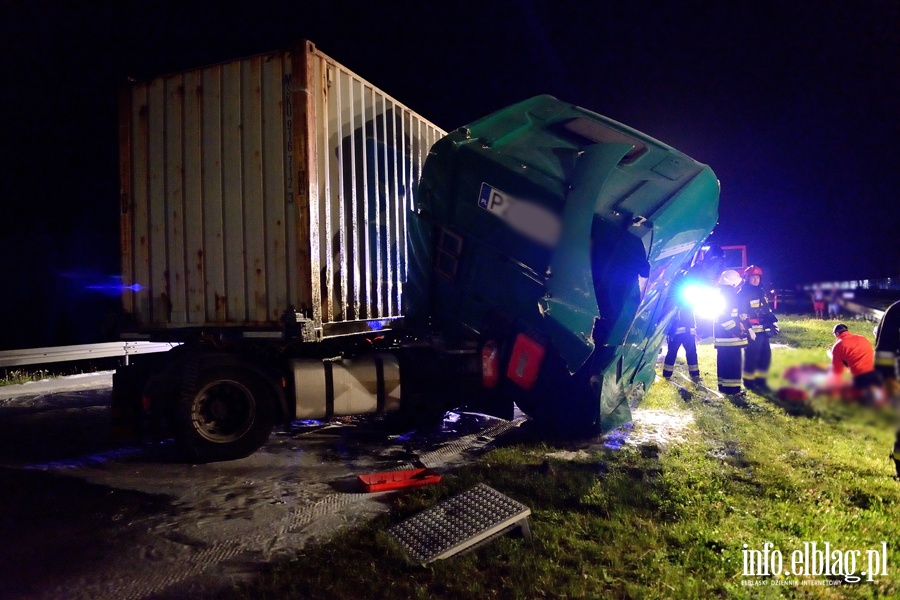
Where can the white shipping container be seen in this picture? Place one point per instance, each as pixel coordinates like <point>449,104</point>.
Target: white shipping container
<point>274,181</point>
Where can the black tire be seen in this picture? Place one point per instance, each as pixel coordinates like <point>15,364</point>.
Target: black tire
<point>228,414</point>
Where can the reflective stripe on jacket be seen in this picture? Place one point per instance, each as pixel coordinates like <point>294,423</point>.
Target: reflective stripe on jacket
<point>759,312</point>
<point>731,324</point>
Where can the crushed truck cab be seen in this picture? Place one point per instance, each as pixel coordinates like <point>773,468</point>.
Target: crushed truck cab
<point>552,234</point>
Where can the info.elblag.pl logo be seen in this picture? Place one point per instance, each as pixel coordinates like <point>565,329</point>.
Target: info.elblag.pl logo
<point>813,560</point>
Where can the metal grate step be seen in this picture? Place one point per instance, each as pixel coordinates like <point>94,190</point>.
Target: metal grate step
<point>459,523</point>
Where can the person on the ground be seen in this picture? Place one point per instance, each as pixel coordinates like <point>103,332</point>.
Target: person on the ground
<point>764,323</point>
<point>730,333</point>
<point>887,363</point>
<point>856,353</point>
<point>682,331</point>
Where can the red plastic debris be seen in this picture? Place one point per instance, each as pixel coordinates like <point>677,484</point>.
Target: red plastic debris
<point>393,480</point>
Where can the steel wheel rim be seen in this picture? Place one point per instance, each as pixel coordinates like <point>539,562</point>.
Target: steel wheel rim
<point>223,411</point>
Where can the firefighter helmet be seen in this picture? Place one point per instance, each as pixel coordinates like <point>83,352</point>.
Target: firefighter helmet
<point>752,270</point>
<point>730,277</point>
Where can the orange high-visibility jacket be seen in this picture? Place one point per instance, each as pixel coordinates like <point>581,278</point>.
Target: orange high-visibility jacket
<point>852,350</point>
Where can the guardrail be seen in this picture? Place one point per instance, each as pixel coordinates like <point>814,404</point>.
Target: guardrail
<point>872,314</point>
<point>36,356</point>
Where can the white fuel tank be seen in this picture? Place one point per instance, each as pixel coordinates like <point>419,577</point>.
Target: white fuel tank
<point>335,387</point>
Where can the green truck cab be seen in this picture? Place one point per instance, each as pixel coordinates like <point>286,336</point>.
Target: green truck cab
<point>552,234</point>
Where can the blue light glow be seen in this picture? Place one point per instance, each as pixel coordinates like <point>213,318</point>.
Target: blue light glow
<point>405,437</point>
<point>705,300</point>
<point>91,460</point>
<point>615,439</point>
<point>113,286</point>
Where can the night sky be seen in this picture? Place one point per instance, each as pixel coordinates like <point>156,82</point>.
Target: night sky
<point>794,105</point>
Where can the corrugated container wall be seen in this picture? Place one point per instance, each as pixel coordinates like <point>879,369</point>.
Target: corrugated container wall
<point>273,181</point>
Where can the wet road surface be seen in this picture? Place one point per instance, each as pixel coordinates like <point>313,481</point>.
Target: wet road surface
<point>83,516</point>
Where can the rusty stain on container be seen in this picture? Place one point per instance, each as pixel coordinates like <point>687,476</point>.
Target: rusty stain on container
<point>219,306</point>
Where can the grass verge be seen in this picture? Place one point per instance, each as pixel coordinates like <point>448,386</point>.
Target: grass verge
<point>16,376</point>
<point>671,522</point>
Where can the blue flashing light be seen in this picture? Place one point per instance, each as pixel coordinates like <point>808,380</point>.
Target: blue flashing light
<point>706,300</point>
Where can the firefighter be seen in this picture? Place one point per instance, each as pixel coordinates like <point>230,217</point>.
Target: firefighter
<point>710,263</point>
<point>682,331</point>
<point>887,363</point>
<point>757,352</point>
<point>730,333</point>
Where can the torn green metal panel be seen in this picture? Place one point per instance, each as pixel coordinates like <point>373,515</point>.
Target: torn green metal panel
<point>571,303</point>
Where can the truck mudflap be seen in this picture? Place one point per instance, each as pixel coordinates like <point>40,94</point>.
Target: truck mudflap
<point>570,305</point>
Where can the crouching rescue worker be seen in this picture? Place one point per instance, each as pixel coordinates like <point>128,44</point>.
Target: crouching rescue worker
<point>682,332</point>
<point>856,353</point>
<point>763,323</point>
<point>887,363</point>
<point>730,333</point>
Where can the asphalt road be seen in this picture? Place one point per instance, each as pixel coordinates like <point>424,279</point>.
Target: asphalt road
<point>85,516</point>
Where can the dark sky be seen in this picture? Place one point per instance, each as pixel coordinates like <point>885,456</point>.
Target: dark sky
<point>793,105</point>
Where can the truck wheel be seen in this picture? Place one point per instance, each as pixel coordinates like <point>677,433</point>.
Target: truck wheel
<point>229,414</point>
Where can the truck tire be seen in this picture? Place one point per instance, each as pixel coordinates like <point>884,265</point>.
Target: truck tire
<point>228,414</point>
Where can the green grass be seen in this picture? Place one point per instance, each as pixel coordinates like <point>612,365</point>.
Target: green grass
<point>815,334</point>
<point>16,376</point>
<point>53,370</point>
<point>628,524</point>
